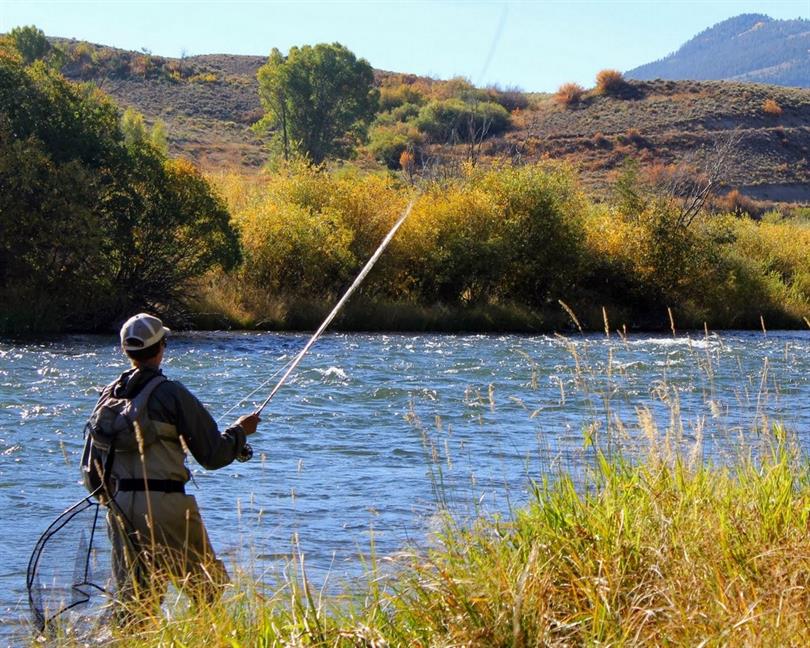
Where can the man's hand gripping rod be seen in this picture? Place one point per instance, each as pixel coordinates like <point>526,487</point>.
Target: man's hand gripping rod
<point>248,451</point>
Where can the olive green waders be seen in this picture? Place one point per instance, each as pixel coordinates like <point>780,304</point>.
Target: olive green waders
<point>174,547</point>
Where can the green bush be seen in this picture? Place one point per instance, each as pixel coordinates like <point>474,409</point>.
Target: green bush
<point>392,97</point>
<point>453,119</point>
<point>387,144</point>
<point>406,112</point>
<point>92,228</point>
<point>543,221</point>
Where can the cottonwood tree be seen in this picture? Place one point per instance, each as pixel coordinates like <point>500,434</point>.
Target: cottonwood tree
<point>318,99</point>
<point>30,42</point>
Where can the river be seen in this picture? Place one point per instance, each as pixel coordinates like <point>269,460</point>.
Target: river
<point>374,433</point>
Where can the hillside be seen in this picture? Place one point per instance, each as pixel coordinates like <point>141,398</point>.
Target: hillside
<point>750,47</point>
<point>663,122</point>
<point>209,102</point>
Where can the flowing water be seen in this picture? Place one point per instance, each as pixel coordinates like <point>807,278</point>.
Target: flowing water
<point>375,433</point>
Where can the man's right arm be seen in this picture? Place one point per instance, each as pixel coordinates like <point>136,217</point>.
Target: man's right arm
<point>211,448</point>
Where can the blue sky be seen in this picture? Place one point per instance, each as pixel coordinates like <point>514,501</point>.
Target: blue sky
<point>532,45</point>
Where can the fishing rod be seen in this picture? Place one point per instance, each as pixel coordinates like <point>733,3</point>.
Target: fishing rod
<point>248,451</point>
<point>366,269</point>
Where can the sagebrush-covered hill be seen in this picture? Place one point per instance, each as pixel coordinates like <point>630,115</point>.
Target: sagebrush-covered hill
<point>209,103</point>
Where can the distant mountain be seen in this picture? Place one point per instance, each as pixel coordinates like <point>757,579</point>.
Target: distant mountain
<point>750,47</point>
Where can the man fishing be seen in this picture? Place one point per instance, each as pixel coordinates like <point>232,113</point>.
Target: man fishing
<point>155,529</point>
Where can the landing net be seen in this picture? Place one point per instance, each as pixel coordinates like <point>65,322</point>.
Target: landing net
<point>69,569</point>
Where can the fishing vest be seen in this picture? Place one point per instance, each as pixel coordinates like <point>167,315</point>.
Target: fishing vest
<point>123,442</point>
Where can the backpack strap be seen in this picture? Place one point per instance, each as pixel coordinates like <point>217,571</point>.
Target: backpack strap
<point>106,475</point>
<point>140,402</point>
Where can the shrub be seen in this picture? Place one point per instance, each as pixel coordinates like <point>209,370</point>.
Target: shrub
<point>82,52</point>
<point>204,77</point>
<point>771,108</point>
<point>779,247</point>
<point>496,115</point>
<point>288,248</point>
<point>543,217</point>
<point>736,203</point>
<point>518,235</point>
<point>116,63</point>
<point>511,98</point>
<point>459,88</point>
<point>610,82</point>
<point>454,251</point>
<point>600,141</point>
<point>450,119</point>
<point>387,144</point>
<point>632,136</point>
<point>407,161</point>
<point>405,112</point>
<point>569,94</point>
<point>394,96</point>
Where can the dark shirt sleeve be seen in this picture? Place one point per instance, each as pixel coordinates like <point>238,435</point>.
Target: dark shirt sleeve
<point>211,448</point>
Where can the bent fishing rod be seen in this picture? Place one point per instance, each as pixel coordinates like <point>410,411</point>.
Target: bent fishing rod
<point>248,453</point>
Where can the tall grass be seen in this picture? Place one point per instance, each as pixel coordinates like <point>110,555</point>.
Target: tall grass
<point>657,553</point>
<point>661,552</point>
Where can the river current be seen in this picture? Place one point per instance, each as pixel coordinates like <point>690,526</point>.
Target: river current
<point>374,434</point>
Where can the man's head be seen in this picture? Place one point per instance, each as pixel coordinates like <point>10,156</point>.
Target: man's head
<point>143,337</point>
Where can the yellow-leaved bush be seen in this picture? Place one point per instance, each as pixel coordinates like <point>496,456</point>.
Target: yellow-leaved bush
<point>510,236</point>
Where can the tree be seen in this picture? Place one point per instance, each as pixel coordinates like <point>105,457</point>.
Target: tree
<point>319,99</point>
<point>136,131</point>
<point>30,42</point>
<point>159,137</point>
<point>133,127</point>
<point>93,224</point>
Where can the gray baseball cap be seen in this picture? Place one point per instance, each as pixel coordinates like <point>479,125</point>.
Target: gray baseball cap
<point>141,331</point>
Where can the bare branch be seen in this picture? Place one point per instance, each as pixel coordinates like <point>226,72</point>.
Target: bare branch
<point>698,175</point>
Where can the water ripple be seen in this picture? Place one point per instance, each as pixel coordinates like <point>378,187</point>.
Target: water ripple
<point>371,426</point>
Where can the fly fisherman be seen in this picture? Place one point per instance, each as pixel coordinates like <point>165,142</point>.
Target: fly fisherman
<point>155,529</point>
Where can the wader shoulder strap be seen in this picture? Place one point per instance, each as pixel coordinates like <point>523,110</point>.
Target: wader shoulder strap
<point>142,399</point>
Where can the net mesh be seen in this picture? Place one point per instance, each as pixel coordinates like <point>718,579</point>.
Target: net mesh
<point>69,569</point>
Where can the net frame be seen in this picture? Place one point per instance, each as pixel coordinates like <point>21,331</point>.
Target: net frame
<point>81,587</point>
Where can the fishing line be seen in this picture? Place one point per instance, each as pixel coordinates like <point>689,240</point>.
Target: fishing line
<point>256,390</point>
<point>495,42</point>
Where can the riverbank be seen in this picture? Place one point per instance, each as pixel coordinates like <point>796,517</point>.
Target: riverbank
<point>221,307</point>
<point>665,550</point>
<point>486,250</point>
